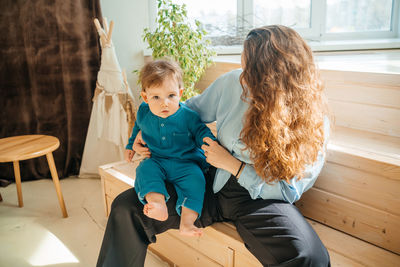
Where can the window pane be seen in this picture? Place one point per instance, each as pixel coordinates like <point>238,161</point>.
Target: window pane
<point>292,13</point>
<point>358,15</point>
<point>217,16</point>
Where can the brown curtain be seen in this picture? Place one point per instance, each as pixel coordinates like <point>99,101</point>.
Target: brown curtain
<point>50,56</point>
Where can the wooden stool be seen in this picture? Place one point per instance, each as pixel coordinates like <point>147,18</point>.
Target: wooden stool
<point>16,148</point>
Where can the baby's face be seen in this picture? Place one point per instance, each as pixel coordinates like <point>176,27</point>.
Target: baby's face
<point>163,100</point>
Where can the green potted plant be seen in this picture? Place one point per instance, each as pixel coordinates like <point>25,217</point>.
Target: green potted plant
<point>175,38</point>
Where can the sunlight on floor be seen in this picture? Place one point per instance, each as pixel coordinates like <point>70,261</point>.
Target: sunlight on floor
<point>51,250</point>
<point>37,234</point>
<point>27,243</point>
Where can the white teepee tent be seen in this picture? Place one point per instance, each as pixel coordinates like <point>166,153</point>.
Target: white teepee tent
<point>112,114</point>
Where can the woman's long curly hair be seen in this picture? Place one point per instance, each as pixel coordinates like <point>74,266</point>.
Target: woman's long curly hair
<point>284,125</point>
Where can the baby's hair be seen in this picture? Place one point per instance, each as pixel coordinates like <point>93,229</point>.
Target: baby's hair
<point>156,72</point>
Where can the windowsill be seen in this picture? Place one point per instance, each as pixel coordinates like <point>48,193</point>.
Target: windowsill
<point>373,61</point>
<point>390,43</point>
<point>321,46</point>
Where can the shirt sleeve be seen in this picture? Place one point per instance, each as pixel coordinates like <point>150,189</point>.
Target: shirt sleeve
<point>293,191</point>
<point>135,131</point>
<point>206,104</point>
<point>136,127</point>
<point>281,190</point>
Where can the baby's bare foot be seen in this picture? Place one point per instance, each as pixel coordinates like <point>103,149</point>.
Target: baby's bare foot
<point>157,211</point>
<point>190,230</point>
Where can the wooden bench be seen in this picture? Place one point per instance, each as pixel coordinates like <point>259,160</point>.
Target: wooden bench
<point>222,246</point>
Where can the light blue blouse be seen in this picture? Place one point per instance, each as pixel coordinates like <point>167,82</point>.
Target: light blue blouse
<point>221,102</point>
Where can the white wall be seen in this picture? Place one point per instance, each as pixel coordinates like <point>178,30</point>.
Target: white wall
<point>130,18</point>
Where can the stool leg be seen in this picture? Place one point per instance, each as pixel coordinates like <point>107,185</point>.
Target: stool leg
<point>54,175</point>
<point>17,175</point>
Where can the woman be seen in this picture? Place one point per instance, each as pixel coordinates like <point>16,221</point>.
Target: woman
<point>272,129</point>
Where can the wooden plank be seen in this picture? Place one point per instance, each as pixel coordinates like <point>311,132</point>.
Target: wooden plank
<point>156,259</point>
<point>109,201</point>
<point>103,190</point>
<point>370,224</point>
<point>367,188</point>
<point>363,78</point>
<point>213,72</point>
<point>129,168</point>
<point>242,259</point>
<point>208,244</point>
<point>179,253</point>
<point>358,159</point>
<point>373,89</point>
<point>362,93</point>
<point>353,250</point>
<point>218,245</point>
<point>339,260</point>
<point>113,187</point>
<point>370,145</point>
<point>376,119</point>
<point>226,233</point>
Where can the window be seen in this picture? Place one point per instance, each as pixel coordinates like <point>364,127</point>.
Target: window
<point>358,16</point>
<point>318,21</point>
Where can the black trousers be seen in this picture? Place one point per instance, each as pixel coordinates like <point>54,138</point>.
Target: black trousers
<point>274,231</point>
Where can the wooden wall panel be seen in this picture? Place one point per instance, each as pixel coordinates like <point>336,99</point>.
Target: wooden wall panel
<point>213,72</point>
<point>374,79</point>
<point>358,92</point>
<point>366,101</point>
<point>348,251</point>
<point>370,224</point>
<point>367,117</point>
<point>380,147</point>
<point>369,189</point>
<point>364,161</point>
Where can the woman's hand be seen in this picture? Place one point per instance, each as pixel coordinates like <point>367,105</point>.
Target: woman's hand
<point>128,155</point>
<point>139,146</point>
<point>219,157</point>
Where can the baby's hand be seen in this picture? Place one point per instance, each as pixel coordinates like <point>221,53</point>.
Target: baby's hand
<point>128,155</point>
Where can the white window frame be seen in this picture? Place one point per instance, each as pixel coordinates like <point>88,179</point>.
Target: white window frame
<point>315,35</point>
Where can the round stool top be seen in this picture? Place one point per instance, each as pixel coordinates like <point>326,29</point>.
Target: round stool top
<point>23,147</point>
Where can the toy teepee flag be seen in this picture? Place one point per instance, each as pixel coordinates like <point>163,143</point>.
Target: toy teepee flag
<point>112,114</point>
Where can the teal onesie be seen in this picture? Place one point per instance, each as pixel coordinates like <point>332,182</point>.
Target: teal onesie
<point>176,157</point>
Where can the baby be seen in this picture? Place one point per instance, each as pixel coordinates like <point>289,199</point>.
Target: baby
<point>174,134</point>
